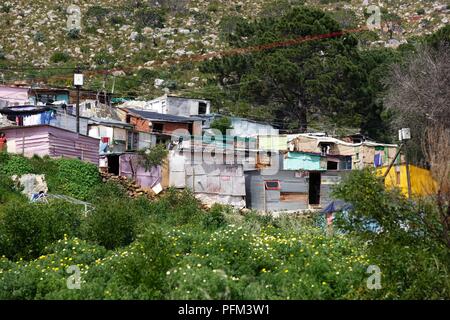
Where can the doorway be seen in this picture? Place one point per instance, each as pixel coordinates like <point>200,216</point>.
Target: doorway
<point>314,187</point>
<point>113,164</point>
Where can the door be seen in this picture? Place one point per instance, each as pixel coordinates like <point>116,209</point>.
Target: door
<point>314,187</point>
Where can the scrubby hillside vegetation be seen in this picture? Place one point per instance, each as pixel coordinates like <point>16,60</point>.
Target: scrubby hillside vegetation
<point>171,248</point>
<point>142,49</point>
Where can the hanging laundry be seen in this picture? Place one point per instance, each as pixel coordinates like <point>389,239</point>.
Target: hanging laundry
<point>47,117</point>
<point>378,160</point>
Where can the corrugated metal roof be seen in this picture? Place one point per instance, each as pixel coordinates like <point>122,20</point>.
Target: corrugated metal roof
<point>109,121</point>
<point>155,116</point>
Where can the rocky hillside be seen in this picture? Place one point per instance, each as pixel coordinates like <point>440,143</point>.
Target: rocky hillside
<point>129,35</point>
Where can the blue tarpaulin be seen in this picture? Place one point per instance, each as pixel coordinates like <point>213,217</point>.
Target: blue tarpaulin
<point>337,205</point>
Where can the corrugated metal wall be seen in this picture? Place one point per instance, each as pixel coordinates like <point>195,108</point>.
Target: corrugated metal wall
<point>54,142</point>
<point>146,179</point>
<point>294,190</point>
<point>29,141</point>
<point>71,145</point>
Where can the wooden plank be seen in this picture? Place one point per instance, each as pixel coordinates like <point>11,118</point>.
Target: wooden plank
<point>294,197</point>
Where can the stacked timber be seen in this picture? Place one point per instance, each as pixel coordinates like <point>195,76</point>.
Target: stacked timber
<point>132,188</point>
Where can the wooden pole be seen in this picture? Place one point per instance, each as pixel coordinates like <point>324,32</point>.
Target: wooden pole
<point>408,176</point>
<point>393,161</point>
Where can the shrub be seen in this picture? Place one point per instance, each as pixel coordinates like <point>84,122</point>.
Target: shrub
<point>213,6</point>
<point>27,228</point>
<point>412,259</point>
<point>46,276</point>
<point>103,58</point>
<point>39,37</point>
<point>15,165</point>
<point>222,124</point>
<point>74,34</point>
<point>117,20</point>
<point>215,217</point>
<point>141,275</point>
<point>76,178</point>
<point>176,208</point>
<point>112,223</point>
<point>59,57</point>
<point>8,191</point>
<point>154,156</point>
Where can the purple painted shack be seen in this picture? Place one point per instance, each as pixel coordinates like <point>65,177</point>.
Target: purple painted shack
<point>146,179</point>
<point>43,140</point>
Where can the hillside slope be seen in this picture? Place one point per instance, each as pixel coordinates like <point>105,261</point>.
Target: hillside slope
<point>132,34</point>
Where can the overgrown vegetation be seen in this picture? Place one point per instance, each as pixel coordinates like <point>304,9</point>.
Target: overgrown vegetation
<point>171,248</point>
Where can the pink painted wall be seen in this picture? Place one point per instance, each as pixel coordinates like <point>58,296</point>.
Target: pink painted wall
<point>52,141</point>
<point>146,179</point>
<point>13,95</point>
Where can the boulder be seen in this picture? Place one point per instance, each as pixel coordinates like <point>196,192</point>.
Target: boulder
<point>31,183</point>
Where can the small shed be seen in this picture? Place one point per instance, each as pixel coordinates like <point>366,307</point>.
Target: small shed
<point>289,190</point>
<point>46,140</point>
<point>210,182</point>
<point>130,167</point>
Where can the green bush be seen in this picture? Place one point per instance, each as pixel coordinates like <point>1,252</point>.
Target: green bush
<point>39,37</point>
<point>76,178</point>
<point>222,124</point>
<point>15,165</point>
<point>103,58</point>
<point>46,277</point>
<point>59,57</point>
<point>112,224</point>
<point>215,218</point>
<point>25,229</point>
<point>154,156</point>
<point>407,246</point>
<point>8,191</point>
<point>74,34</point>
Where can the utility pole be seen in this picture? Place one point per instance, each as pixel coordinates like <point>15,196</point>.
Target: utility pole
<point>404,135</point>
<point>408,176</point>
<point>78,82</point>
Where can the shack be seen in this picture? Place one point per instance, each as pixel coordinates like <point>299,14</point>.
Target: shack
<point>129,166</point>
<point>290,191</point>
<point>113,135</point>
<point>46,140</point>
<point>210,182</point>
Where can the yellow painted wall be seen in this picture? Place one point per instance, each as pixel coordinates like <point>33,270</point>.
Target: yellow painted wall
<point>422,183</point>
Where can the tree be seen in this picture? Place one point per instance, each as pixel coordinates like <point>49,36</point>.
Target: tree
<point>222,124</point>
<point>418,93</point>
<point>319,77</point>
<point>436,148</point>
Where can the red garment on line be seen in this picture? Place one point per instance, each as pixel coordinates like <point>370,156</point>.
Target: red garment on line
<point>2,143</point>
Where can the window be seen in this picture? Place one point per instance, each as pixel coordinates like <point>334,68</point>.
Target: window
<point>332,165</point>
<point>346,163</point>
<point>133,141</point>
<point>46,98</point>
<point>398,177</point>
<point>158,127</point>
<point>202,108</point>
<point>272,185</point>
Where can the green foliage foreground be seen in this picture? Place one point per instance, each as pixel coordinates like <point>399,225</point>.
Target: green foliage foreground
<point>173,249</point>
